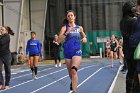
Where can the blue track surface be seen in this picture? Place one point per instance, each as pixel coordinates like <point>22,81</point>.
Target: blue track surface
<point>94,77</point>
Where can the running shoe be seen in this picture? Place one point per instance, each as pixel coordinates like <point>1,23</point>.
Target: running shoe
<point>112,65</point>
<point>124,71</point>
<point>59,64</point>
<point>56,65</point>
<point>33,75</point>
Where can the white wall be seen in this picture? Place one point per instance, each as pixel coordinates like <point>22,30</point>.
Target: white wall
<point>0,14</point>
<point>16,16</point>
<point>38,16</point>
<point>37,13</point>
<point>25,26</point>
<point>12,16</point>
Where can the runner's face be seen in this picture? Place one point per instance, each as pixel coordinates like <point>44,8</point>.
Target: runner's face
<point>113,37</point>
<point>33,36</point>
<point>71,17</point>
<point>3,30</point>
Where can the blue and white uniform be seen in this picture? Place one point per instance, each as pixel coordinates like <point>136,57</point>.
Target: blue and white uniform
<point>72,45</point>
<point>33,48</point>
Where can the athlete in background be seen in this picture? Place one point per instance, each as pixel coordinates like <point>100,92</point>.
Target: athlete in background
<point>33,51</point>
<point>113,49</point>
<point>56,51</point>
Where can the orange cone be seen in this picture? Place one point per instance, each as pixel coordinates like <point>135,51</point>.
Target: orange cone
<point>28,62</point>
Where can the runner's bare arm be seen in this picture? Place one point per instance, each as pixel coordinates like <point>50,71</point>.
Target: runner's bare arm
<point>61,35</point>
<point>64,33</point>
<point>83,35</point>
<point>117,44</point>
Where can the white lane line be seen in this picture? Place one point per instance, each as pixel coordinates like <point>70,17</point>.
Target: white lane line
<point>114,81</point>
<point>49,84</point>
<point>30,74</point>
<point>16,71</point>
<point>38,78</point>
<point>60,79</point>
<point>92,75</point>
<point>33,80</point>
<point>25,69</point>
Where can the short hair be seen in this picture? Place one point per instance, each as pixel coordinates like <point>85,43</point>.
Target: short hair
<point>33,32</point>
<point>20,47</point>
<point>138,2</point>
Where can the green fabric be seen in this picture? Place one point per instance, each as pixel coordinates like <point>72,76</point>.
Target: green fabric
<point>92,46</point>
<point>92,38</point>
<point>137,53</point>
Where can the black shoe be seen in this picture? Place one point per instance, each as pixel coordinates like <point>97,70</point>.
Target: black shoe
<point>123,70</point>
<point>71,86</point>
